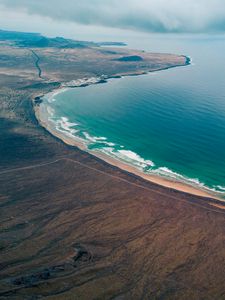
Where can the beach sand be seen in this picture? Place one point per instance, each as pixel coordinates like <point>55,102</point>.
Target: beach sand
<point>69,139</point>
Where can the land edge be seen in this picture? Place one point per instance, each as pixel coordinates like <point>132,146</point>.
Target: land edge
<point>156,179</point>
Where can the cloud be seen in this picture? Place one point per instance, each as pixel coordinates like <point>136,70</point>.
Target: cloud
<point>143,15</point>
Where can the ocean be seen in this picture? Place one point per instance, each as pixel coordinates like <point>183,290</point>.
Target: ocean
<point>170,123</point>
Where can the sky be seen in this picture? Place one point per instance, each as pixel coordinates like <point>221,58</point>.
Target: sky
<point>113,17</point>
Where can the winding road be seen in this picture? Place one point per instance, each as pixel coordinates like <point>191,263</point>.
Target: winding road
<point>37,60</point>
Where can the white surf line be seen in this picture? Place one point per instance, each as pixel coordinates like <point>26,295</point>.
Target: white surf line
<point>120,179</point>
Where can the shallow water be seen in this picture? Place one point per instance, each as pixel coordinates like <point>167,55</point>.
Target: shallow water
<point>171,122</point>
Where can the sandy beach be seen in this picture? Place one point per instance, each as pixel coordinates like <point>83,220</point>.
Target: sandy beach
<point>69,139</point>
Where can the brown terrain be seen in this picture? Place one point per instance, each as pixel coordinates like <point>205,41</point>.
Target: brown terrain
<point>73,226</point>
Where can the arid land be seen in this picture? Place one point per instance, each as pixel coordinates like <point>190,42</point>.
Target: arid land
<point>75,227</point>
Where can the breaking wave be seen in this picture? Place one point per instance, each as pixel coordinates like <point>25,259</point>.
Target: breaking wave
<point>102,145</point>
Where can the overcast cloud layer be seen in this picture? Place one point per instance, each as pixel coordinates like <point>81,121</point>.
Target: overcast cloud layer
<point>144,15</point>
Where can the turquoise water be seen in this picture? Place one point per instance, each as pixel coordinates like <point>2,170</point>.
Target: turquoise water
<point>171,123</point>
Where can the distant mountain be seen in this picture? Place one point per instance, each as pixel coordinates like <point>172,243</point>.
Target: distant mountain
<point>24,39</point>
<point>17,36</point>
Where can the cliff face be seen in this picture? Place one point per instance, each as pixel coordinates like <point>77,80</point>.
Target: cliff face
<point>73,227</point>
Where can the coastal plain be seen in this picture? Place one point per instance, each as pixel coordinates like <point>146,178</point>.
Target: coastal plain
<point>75,227</point>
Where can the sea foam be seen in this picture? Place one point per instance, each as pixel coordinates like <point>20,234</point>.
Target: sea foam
<point>131,156</point>
<point>94,139</point>
<point>169,174</point>
<point>63,125</point>
<point>119,152</point>
<point>127,156</point>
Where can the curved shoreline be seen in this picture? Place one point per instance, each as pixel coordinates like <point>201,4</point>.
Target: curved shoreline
<point>78,142</point>
<point>172,184</point>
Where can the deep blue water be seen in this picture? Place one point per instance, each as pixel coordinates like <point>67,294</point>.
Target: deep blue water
<point>170,122</point>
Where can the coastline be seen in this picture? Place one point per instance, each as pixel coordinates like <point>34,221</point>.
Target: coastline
<point>78,142</point>
<point>86,81</point>
<point>157,179</point>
